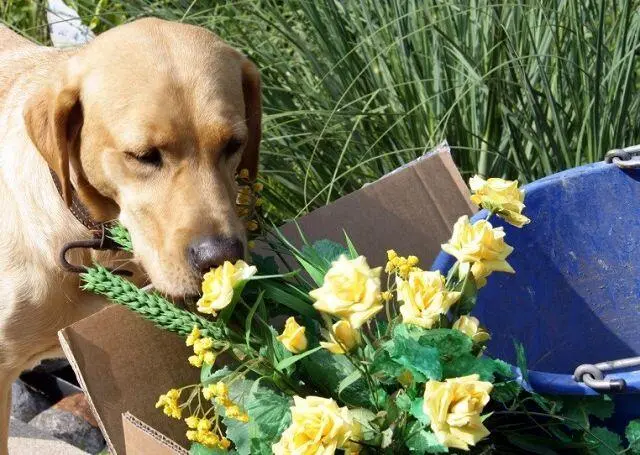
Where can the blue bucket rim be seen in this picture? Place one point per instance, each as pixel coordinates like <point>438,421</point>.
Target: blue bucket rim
<point>541,381</point>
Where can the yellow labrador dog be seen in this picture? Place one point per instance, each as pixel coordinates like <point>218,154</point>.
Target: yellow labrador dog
<point>146,124</point>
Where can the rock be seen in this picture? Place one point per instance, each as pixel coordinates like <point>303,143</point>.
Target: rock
<point>71,421</point>
<point>77,405</point>
<point>26,402</point>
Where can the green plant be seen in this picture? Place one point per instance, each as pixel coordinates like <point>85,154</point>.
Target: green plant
<point>355,88</point>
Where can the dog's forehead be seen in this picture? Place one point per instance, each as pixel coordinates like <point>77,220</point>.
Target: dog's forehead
<point>156,97</point>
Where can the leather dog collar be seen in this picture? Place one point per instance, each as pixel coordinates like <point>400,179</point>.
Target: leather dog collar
<point>100,240</point>
<point>77,207</point>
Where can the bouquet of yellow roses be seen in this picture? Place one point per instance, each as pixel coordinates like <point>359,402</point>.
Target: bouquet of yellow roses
<point>342,357</point>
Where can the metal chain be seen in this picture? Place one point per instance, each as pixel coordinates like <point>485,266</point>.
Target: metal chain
<point>593,376</point>
<point>625,158</point>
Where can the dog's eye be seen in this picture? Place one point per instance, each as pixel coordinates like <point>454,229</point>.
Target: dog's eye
<point>231,147</point>
<point>151,157</point>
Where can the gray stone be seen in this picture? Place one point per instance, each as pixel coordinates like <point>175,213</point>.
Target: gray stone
<point>70,428</point>
<point>26,402</point>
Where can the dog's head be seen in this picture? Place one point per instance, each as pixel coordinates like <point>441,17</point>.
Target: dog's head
<point>149,124</point>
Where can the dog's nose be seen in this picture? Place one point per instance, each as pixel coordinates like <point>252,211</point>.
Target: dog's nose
<point>208,252</point>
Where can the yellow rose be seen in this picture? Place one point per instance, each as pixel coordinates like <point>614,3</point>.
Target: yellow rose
<point>480,248</point>
<point>454,407</point>
<point>351,291</point>
<point>425,298</point>
<point>470,326</point>
<point>219,284</point>
<point>501,196</point>
<point>343,337</point>
<point>293,337</point>
<point>318,427</point>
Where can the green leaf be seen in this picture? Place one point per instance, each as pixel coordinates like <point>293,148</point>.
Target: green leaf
<point>295,358</point>
<point>531,444</point>
<point>329,251</point>
<point>418,357</point>
<point>282,294</point>
<point>450,343</point>
<point>632,434</point>
<point>266,265</point>
<point>578,410</point>
<point>346,382</point>
<point>208,375</point>
<point>468,295</point>
<point>238,433</point>
<point>421,441</point>
<point>366,419</point>
<point>521,360</point>
<point>505,392</point>
<point>326,371</point>
<point>417,411</point>
<point>269,415</point>
<point>602,442</point>
<point>353,253</point>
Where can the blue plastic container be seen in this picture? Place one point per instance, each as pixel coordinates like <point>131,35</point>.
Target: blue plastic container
<point>575,297</point>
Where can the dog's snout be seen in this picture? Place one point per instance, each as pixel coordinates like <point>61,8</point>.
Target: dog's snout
<point>208,252</point>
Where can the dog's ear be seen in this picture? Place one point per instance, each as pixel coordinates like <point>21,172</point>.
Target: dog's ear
<point>253,114</point>
<point>53,118</point>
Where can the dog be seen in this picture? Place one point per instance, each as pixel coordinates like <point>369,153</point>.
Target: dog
<point>147,124</point>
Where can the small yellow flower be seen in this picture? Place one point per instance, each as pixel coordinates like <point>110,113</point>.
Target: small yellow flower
<point>470,326</point>
<point>220,389</point>
<point>204,425</point>
<point>391,255</point>
<point>252,225</point>
<point>219,284</point>
<point>293,337</point>
<point>234,412</point>
<point>244,173</point>
<point>259,202</point>
<point>386,296</point>
<point>244,196</point>
<point>193,336</point>
<point>196,360</point>
<point>192,422</point>
<point>351,291</point>
<point>344,337</point>
<point>257,187</point>
<point>425,297</point>
<point>480,248</point>
<point>209,358</point>
<point>192,435</point>
<point>169,403</point>
<point>501,196</point>
<point>202,345</point>
<point>242,211</point>
<point>318,426</point>
<point>225,443</point>
<point>454,407</point>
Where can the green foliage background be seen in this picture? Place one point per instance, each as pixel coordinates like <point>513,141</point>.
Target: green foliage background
<point>354,88</point>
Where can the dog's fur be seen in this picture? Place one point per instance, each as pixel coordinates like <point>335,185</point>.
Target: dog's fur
<point>87,114</point>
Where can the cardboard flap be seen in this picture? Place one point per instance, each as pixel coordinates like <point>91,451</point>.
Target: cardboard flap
<point>124,363</point>
<point>411,210</point>
<point>141,439</point>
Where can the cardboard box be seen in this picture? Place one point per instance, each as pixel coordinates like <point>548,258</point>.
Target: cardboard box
<point>124,363</point>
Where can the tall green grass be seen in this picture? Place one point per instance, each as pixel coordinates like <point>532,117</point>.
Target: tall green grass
<point>355,88</point>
